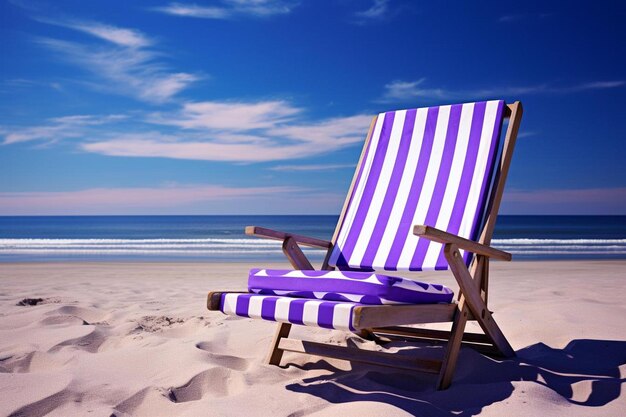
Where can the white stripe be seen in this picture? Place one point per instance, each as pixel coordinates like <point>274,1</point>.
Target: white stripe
<point>365,234</point>
<point>254,308</point>
<point>281,313</point>
<point>404,190</point>
<point>429,185</point>
<point>342,317</point>
<point>454,180</point>
<point>230,303</point>
<point>309,314</point>
<point>480,170</point>
<point>358,192</point>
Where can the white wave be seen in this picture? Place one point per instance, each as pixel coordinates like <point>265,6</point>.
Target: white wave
<point>34,242</point>
<point>135,251</point>
<point>128,246</point>
<point>564,252</point>
<point>242,246</point>
<point>558,241</point>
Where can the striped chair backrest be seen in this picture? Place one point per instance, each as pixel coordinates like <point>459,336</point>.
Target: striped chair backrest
<point>430,166</point>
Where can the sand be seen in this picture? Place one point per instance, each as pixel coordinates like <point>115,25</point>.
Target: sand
<point>135,339</point>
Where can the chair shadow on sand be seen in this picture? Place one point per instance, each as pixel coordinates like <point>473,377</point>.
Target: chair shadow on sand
<point>586,373</point>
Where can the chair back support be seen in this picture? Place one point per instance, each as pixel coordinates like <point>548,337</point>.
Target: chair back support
<point>432,166</point>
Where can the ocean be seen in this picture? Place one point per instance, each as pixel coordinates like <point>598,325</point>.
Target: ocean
<point>222,238</point>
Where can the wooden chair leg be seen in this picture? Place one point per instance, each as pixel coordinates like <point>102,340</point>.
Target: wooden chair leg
<point>299,261</point>
<point>453,347</point>
<point>275,354</point>
<point>475,302</point>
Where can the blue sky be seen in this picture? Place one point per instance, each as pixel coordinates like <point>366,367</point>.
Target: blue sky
<point>261,106</point>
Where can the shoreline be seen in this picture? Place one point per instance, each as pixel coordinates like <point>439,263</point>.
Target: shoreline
<point>135,339</point>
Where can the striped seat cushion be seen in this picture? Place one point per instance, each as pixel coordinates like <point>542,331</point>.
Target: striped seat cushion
<point>318,313</point>
<point>430,166</point>
<point>358,287</point>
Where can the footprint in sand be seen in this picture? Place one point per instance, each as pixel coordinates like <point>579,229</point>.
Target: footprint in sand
<point>226,361</point>
<point>214,382</point>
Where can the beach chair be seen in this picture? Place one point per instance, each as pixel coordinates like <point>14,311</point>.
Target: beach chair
<point>425,196</point>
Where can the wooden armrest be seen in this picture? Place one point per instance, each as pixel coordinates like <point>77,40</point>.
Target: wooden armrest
<point>440,236</point>
<point>273,234</point>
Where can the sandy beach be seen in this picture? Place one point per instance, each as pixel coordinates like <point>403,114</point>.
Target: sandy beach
<point>135,339</point>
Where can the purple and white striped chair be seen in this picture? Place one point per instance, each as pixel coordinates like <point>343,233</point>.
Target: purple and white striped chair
<point>425,196</point>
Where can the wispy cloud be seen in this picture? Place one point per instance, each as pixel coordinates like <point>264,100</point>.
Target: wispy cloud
<point>237,132</point>
<point>125,61</point>
<point>233,116</point>
<point>319,167</point>
<point>228,9</point>
<point>57,128</point>
<point>123,200</point>
<point>398,91</point>
<point>377,10</point>
<point>119,36</point>
<point>274,144</point>
<point>210,131</point>
<point>28,83</point>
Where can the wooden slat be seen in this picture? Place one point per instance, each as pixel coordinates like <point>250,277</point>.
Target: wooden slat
<point>397,315</point>
<point>276,235</point>
<point>440,236</point>
<point>430,333</point>
<point>358,355</point>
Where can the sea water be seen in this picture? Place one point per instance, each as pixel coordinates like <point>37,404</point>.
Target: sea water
<point>222,238</point>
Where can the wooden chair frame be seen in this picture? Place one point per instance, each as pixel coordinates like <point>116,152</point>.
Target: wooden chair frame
<point>375,320</point>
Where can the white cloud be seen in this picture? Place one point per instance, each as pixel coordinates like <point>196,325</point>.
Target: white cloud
<point>57,128</point>
<point>233,116</point>
<point>236,132</point>
<point>193,10</point>
<point>210,131</point>
<point>123,200</point>
<point>119,36</point>
<point>378,10</point>
<point>229,9</point>
<point>332,133</point>
<point>417,90</point>
<point>319,167</point>
<point>125,61</point>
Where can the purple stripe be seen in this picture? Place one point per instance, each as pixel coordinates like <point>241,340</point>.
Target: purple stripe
<point>440,185</point>
<point>467,174</point>
<point>368,192</point>
<point>495,141</point>
<point>243,304</point>
<point>416,188</point>
<point>268,308</point>
<point>296,311</point>
<point>392,190</point>
<point>479,216</point>
<point>325,314</point>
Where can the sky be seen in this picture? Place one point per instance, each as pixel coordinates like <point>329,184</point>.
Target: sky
<point>262,106</point>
